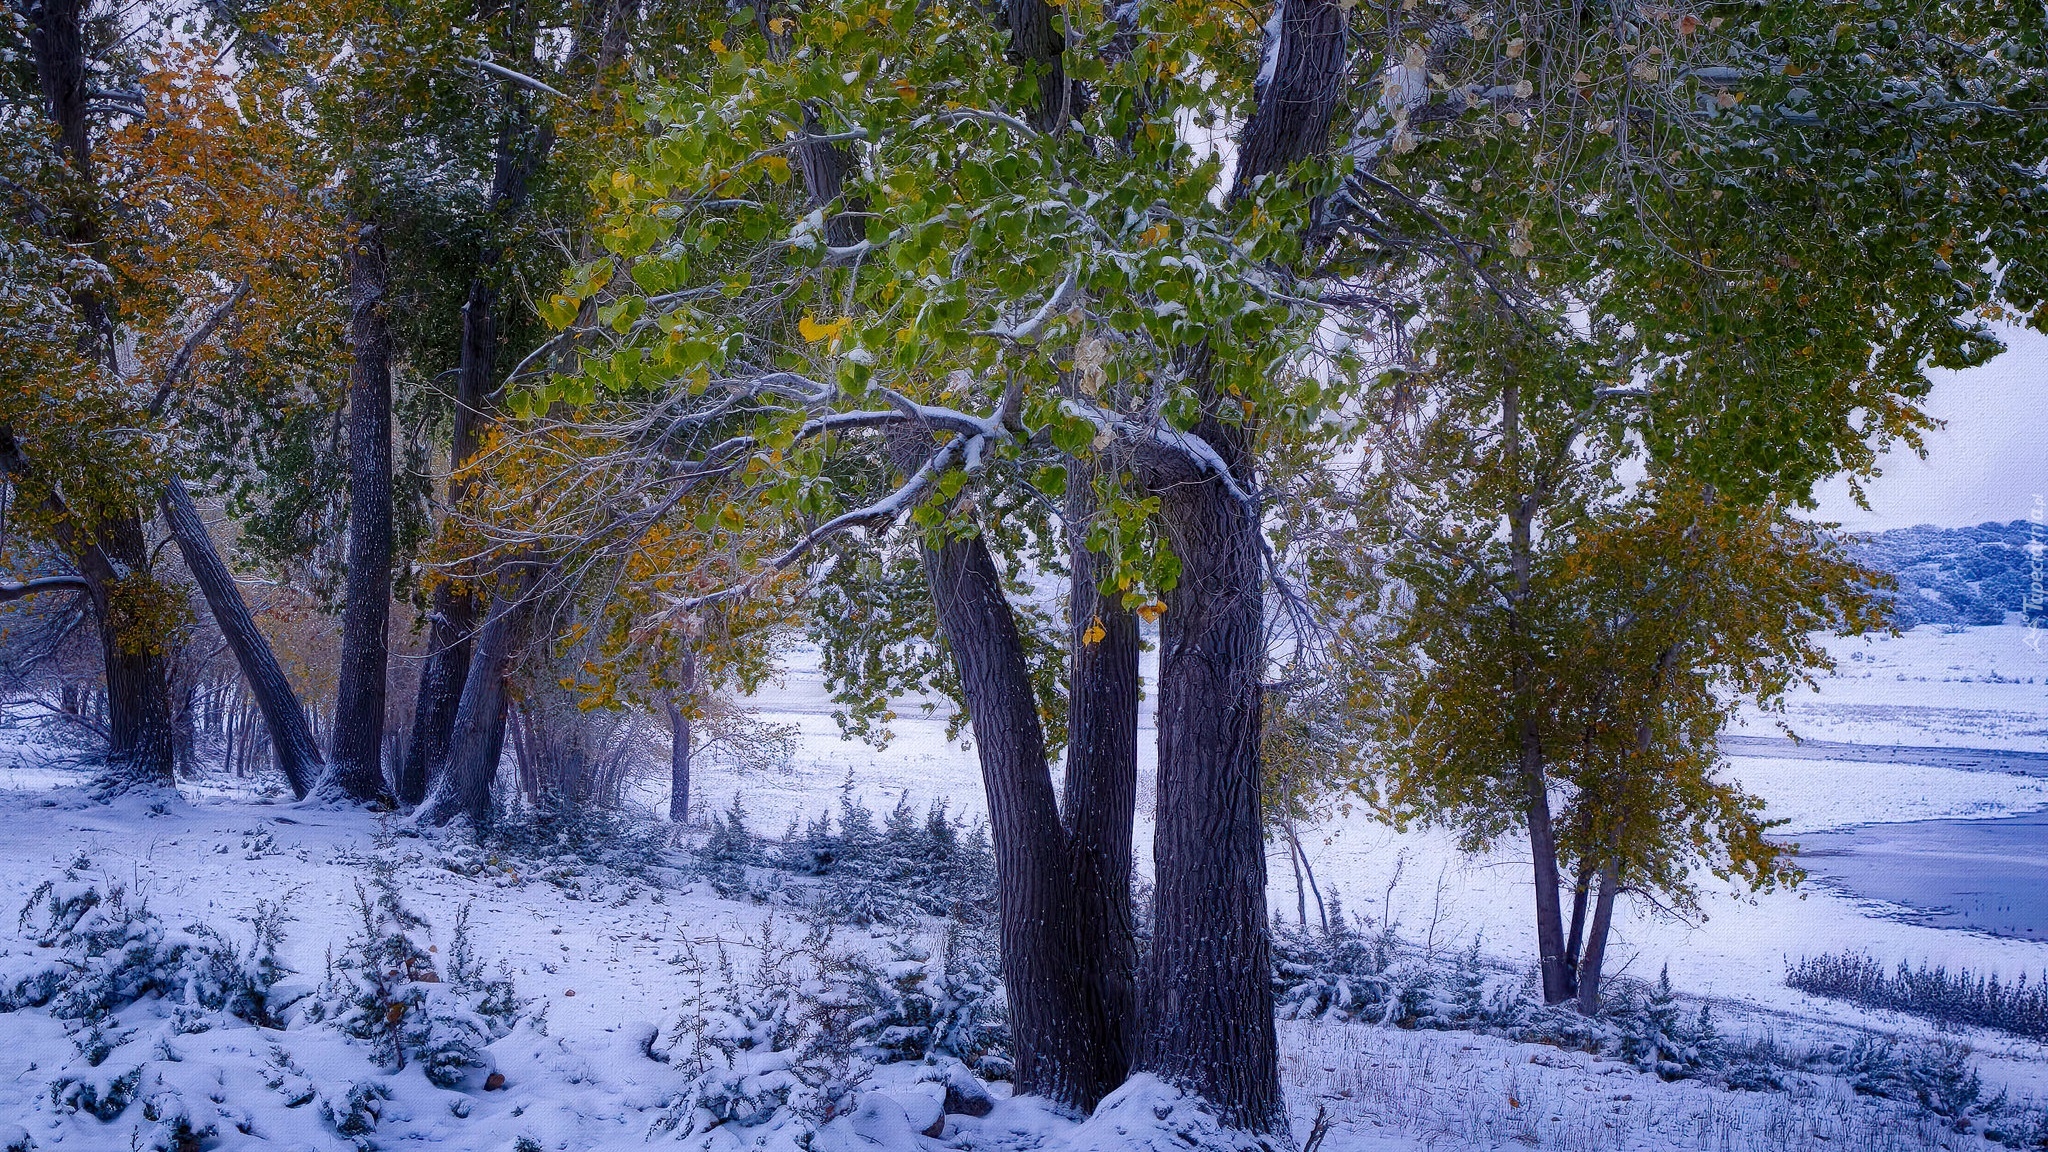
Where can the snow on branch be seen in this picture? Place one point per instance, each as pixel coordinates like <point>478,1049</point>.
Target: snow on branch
<point>11,592</point>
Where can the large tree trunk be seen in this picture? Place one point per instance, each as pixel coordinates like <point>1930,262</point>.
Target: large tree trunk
<point>139,725</point>
<point>1101,794</point>
<point>356,769</point>
<point>1054,1041</point>
<point>463,787</point>
<point>1208,1002</point>
<point>113,555</point>
<point>1550,940</point>
<point>1207,985</point>
<point>297,755</point>
<point>453,616</point>
<point>1551,950</point>
<point>113,569</point>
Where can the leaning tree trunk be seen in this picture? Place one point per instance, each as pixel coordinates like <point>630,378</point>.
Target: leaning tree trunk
<point>463,787</point>
<point>356,768</point>
<point>521,149</point>
<point>1054,1041</point>
<point>297,754</point>
<point>1596,938</point>
<point>1101,794</point>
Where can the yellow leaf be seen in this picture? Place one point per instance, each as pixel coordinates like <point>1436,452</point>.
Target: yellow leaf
<point>814,332</point>
<point>778,168</point>
<point>718,46</point>
<point>780,24</point>
<point>906,92</point>
<point>1152,612</point>
<point>1094,633</point>
<point>1154,234</point>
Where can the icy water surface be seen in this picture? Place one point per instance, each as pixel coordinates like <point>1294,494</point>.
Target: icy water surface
<point>1987,875</point>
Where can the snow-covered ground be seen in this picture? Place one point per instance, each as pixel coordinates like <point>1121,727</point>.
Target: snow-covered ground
<point>597,949</point>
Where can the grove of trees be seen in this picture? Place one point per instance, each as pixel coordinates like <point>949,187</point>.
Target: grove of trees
<point>1440,386</point>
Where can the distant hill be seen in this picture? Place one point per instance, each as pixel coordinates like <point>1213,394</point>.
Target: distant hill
<point>1966,576</point>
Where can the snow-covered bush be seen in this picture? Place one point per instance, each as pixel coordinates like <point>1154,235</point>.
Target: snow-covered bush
<point>923,1003</point>
<point>106,950</point>
<point>384,989</point>
<point>781,1049</point>
<point>1934,993</point>
<point>556,835</point>
<point>1343,971</point>
<point>895,870</point>
<point>768,1049</point>
<point>1937,1075</point>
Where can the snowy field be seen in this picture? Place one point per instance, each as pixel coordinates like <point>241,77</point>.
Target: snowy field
<point>599,951</point>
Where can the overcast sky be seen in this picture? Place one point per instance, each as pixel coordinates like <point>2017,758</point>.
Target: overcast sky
<point>1989,463</point>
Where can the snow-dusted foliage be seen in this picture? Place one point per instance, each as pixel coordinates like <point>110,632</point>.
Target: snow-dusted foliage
<point>897,869</point>
<point>1960,997</point>
<point>384,989</point>
<point>106,949</point>
<point>1937,1075</point>
<point>1347,970</point>
<point>774,1052</point>
<point>767,1049</point>
<point>922,1003</point>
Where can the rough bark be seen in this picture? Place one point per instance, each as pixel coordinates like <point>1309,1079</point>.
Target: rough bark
<point>1291,121</point>
<point>452,618</point>
<point>355,768</point>
<point>297,754</point>
<point>1207,985</point>
<point>1100,792</point>
<point>1054,1039</point>
<point>1038,46</point>
<point>477,742</point>
<point>1206,991</point>
<point>1100,799</point>
<point>113,566</point>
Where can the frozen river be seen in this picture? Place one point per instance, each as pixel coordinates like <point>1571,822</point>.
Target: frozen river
<point>1988,875</point>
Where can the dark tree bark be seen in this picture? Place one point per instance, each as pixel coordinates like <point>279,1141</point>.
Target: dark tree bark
<point>1207,985</point>
<point>1101,793</point>
<point>1206,989</point>
<point>521,149</point>
<point>452,618</point>
<point>1054,1038</point>
<point>111,555</point>
<point>463,787</point>
<point>356,769</point>
<point>1038,46</point>
<point>297,755</point>
<point>1596,939</point>
<point>1294,103</point>
<point>139,744</point>
<point>113,568</point>
<point>1553,955</point>
<point>679,710</point>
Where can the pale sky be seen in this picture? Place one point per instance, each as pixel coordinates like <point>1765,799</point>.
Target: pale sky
<point>1989,463</point>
